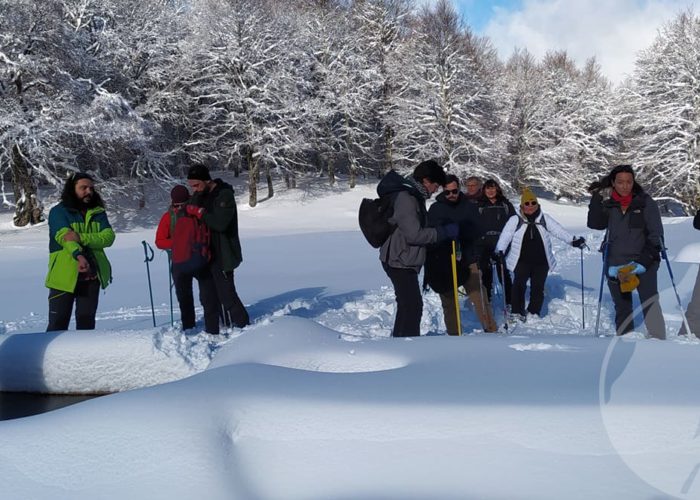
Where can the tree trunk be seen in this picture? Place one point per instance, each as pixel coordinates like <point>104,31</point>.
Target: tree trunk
<point>331,171</point>
<point>253,175</point>
<point>353,175</point>
<point>268,178</point>
<point>28,209</point>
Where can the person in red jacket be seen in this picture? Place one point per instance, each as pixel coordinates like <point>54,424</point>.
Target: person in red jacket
<point>179,197</point>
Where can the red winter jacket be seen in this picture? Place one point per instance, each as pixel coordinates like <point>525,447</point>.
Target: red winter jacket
<point>164,238</point>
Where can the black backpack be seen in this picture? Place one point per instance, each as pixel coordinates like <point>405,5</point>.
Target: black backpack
<point>374,219</point>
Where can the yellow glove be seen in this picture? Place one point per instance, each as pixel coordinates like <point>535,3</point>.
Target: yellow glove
<point>628,280</point>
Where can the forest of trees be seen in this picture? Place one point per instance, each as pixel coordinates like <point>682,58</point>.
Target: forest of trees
<point>133,90</point>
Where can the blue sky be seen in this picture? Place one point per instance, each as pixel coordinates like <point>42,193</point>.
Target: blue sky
<point>479,12</point>
<point>612,31</point>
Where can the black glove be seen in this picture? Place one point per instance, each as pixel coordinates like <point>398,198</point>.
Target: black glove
<point>448,231</point>
<point>578,242</point>
<point>497,257</point>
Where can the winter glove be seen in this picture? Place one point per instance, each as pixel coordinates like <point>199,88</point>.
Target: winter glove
<point>448,232</point>
<point>578,242</point>
<point>497,257</point>
<point>195,211</point>
<point>613,270</point>
<point>637,268</point>
<point>627,277</point>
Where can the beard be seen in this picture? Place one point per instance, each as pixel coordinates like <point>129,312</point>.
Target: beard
<point>88,201</point>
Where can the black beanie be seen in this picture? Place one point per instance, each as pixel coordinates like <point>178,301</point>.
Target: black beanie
<point>198,172</point>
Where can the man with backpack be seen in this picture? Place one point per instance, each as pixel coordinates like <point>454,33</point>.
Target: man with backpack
<point>403,253</point>
<point>214,204</point>
<point>165,238</point>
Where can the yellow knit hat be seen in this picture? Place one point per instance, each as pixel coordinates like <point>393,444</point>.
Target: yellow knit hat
<point>527,195</point>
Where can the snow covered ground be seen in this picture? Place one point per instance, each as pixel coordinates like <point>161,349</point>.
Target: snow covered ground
<point>314,400</point>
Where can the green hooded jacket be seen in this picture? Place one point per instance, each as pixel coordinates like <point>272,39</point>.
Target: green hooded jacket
<point>95,233</point>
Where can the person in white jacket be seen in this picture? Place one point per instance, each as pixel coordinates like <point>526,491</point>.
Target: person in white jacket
<point>530,257</point>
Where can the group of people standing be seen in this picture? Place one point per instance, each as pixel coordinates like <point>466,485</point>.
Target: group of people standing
<point>493,238</point>
<point>79,231</point>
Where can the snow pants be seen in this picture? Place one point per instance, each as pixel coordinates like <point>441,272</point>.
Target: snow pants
<point>476,293</point>
<point>217,291</point>
<point>409,301</point>
<point>487,277</point>
<point>537,275</point>
<point>649,298</point>
<point>185,298</point>
<point>693,312</point>
<point>86,296</point>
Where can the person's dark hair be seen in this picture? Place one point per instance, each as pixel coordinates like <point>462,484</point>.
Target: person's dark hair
<point>608,180</point>
<point>450,178</point>
<point>198,172</point>
<point>429,169</point>
<point>70,199</point>
<point>492,183</point>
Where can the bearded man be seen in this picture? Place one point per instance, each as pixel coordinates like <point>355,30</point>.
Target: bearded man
<point>78,267</point>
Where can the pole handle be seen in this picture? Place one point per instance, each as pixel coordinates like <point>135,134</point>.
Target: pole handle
<point>146,249</point>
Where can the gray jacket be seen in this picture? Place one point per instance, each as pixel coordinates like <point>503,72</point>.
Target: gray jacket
<point>635,235</point>
<point>405,248</point>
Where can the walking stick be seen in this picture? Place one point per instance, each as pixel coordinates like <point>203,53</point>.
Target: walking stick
<point>454,285</point>
<point>146,248</point>
<point>675,290</point>
<point>602,280</point>
<point>505,302</point>
<point>583,299</point>
<point>170,286</point>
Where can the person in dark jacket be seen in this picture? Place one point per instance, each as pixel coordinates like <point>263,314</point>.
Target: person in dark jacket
<point>403,254</point>
<point>530,258</point>
<point>79,231</point>
<point>214,203</point>
<point>452,206</point>
<point>179,196</point>
<point>494,212</point>
<point>693,312</point>
<point>633,241</point>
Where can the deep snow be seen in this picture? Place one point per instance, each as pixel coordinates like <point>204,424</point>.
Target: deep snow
<point>315,401</point>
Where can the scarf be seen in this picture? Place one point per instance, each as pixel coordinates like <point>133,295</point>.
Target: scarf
<point>419,186</point>
<point>624,201</point>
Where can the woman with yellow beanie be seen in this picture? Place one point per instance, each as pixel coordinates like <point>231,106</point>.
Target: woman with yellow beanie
<point>530,258</point>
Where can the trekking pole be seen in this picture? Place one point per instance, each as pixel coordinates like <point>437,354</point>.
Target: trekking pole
<point>675,290</point>
<point>454,285</point>
<point>146,248</point>
<point>583,299</point>
<point>170,286</point>
<point>602,280</point>
<point>505,302</point>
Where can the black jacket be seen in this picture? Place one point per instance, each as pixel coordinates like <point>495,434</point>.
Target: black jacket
<point>438,264</point>
<point>696,220</point>
<point>221,217</point>
<point>492,218</point>
<point>636,235</point>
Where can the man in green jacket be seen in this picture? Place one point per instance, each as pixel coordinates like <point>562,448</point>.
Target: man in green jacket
<point>78,267</point>
<point>214,203</point>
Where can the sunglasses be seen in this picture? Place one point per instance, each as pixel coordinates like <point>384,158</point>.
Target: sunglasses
<point>451,191</point>
<point>530,204</point>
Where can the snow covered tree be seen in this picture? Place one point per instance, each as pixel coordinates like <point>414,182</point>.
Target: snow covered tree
<point>382,29</point>
<point>660,112</point>
<point>561,126</point>
<point>448,103</point>
<point>244,88</point>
